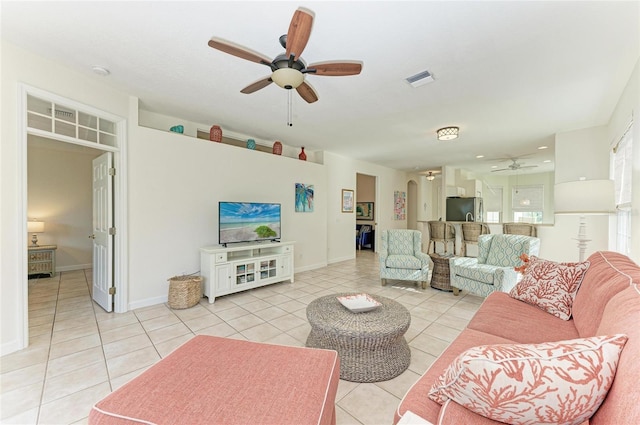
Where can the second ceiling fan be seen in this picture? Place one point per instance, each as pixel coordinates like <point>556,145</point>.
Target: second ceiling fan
<point>288,69</point>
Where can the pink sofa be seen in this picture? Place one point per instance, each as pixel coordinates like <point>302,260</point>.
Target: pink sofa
<point>607,303</point>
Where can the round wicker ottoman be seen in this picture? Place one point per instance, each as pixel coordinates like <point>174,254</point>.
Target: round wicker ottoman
<point>371,345</point>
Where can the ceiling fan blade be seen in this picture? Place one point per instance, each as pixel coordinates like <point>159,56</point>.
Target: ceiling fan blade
<point>260,84</point>
<point>307,92</point>
<point>335,68</point>
<point>501,169</point>
<point>238,51</point>
<point>299,32</point>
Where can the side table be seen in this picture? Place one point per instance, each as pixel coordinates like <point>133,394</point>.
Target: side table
<point>440,277</point>
<point>42,259</point>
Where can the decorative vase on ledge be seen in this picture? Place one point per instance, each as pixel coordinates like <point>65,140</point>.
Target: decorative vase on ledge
<point>302,156</point>
<point>215,134</point>
<point>251,144</point>
<point>277,148</point>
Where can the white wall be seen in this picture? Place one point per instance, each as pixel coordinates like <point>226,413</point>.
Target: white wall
<point>175,184</point>
<point>60,194</point>
<point>17,66</point>
<point>341,174</point>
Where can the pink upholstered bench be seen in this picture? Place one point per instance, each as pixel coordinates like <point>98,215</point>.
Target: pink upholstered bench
<point>212,380</point>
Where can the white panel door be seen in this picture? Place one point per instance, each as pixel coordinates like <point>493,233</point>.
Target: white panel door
<point>102,222</point>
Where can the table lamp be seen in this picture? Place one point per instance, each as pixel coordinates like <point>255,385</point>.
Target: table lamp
<point>34,226</point>
<point>584,197</point>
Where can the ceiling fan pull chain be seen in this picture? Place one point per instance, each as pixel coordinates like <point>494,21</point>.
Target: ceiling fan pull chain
<point>289,109</point>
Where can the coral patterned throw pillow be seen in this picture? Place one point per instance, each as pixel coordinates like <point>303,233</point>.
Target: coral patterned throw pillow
<point>550,286</point>
<point>560,382</point>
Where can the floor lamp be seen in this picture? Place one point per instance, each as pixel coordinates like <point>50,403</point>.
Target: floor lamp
<point>584,197</point>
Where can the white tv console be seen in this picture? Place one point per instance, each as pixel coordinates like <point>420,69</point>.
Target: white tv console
<point>239,267</point>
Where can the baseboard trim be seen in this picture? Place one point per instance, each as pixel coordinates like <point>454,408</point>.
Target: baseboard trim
<point>310,267</point>
<point>338,260</point>
<point>74,267</point>
<point>148,302</point>
<point>10,347</point>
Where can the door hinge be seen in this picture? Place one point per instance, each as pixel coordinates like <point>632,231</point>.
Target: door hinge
<point>112,290</point>
<point>112,171</point>
<point>112,231</point>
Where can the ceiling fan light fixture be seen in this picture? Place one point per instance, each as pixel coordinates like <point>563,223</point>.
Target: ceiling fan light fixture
<point>430,176</point>
<point>448,133</point>
<point>287,78</point>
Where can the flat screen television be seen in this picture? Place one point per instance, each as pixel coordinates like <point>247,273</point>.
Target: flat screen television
<point>248,222</point>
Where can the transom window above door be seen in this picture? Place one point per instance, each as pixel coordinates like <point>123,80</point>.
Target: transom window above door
<point>70,122</point>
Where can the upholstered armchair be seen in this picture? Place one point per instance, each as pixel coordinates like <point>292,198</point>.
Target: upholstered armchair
<point>493,269</point>
<point>363,238</point>
<point>401,256</point>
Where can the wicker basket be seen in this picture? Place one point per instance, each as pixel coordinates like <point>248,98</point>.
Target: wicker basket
<point>184,291</point>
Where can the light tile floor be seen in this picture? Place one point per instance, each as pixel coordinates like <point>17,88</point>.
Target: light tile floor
<point>78,353</point>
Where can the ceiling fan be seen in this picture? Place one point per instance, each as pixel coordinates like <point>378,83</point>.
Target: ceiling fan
<point>515,166</point>
<point>288,69</point>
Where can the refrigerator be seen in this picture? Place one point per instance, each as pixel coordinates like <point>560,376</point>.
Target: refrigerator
<point>464,209</point>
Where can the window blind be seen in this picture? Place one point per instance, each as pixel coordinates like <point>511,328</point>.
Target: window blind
<point>528,198</point>
<point>492,198</point>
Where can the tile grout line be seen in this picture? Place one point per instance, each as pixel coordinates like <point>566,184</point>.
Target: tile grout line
<point>46,368</point>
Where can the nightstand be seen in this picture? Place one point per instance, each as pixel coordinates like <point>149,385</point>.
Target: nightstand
<point>42,259</point>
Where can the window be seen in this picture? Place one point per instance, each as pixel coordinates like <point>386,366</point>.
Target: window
<point>527,203</point>
<point>66,121</point>
<point>493,204</point>
<point>621,158</point>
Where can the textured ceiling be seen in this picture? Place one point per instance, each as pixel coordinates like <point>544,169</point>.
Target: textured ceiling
<point>509,74</point>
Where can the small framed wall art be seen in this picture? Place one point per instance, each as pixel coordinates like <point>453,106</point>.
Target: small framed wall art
<point>304,197</point>
<point>364,210</point>
<point>399,205</point>
<point>347,201</point>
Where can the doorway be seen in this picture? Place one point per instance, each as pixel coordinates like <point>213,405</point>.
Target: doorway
<point>59,194</point>
<point>83,128</point>
<point>366,211</point>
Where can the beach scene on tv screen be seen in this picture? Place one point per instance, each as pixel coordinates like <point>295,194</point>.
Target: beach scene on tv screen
<point>241,222</point>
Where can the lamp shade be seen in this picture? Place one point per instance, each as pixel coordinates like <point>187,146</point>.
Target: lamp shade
<point>287,78</point>
<point>35,226</point>
<point>584,197</point>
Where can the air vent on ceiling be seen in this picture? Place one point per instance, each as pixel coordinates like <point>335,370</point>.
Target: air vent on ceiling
<point>420,79</point>
<point>62,113</point>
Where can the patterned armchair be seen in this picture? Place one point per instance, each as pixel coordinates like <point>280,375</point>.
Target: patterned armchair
<point>401,256</point>
<point>493,269</point>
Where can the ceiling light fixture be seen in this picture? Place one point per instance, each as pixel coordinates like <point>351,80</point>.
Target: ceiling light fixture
<point>448,133</point>
<point>479,156</point>
<point>101,71</point>
<point>287,78</point>
<point>430,176</point>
